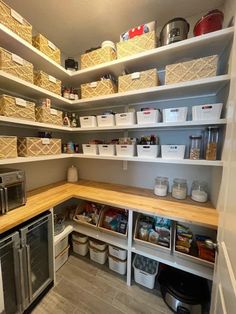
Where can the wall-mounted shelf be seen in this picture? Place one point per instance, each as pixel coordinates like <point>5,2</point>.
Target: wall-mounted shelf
<point>33,159</point>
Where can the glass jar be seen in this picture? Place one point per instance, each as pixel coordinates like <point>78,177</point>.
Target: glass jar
<point>199,191</point>
<point>161,186</point>
<point>212,138</point>
<point>195,147</point>
<point>179,189</point>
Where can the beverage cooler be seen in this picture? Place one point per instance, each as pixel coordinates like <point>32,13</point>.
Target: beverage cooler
<point>26,265</point>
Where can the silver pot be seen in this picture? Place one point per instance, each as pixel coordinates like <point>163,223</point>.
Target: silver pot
<point>174,30</point>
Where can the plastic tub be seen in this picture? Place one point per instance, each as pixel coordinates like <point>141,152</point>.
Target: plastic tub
<point>117,265</point>
<point>61,246</point>
<point>107,149</point>
<point>148,116</point>
<point>99,245</point>
<point>207,112</point>
<point>61,258</point>
<point>149,151</point>
<point>79,237</point>
<point>98,256</point>
<point>90,149</point>
<point>172,151</point>
<point>125,150</point>
<point>80,248</point>
<point>88,122</point>
<point>175,114</point>
<point>117,252</point>
<point>126,118</point>
<point>106,120</point>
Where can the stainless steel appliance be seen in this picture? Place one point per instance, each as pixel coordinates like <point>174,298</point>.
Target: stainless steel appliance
<point>12,189</point>
<point>175,30</point>
<point>26,265</point>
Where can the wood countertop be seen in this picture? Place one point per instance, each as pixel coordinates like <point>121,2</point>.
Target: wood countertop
<point>137,199</point>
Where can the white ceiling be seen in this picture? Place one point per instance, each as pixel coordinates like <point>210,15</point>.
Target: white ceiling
<point>76,25</point>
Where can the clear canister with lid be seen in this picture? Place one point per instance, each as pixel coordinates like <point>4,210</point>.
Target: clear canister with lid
<point>199,191</point>
<point>179,189</point>
<point>195,147</point>
<point>212,139</point>
<point>161,186</point>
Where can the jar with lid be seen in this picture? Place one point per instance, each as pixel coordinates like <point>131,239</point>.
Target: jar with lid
<point>199,191</point>
<point>179,189</point>
<point>195,147</point>
<point>161,186</point>
<point>212,139</point>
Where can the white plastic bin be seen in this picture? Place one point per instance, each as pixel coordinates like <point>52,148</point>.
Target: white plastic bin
<point>148,116</point>
<point>126,118</point>
<point>79,237</point>
<point>61,258</point>
<point>148,151</point>
<point>99,245</point>
<point>80,248</point>
<point>97,255</point>
<point>61,246</point>
<point>90,149</point>
<point>125,150</point>
<point>107,149</point>
<point>117,252</point>
<point>106,120</point>
<point>117,265</point>
<point>88,122</point>
<point>175,114</point>
<point>172,151</point>
<point>207,112</point>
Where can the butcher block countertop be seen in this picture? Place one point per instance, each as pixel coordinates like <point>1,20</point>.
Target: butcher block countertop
<point>137,199</point>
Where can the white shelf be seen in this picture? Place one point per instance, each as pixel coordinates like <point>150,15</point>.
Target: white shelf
<point>68,229</point>
<point>33,159</point>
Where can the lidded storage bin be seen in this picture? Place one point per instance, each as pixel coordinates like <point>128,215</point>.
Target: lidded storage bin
<point>34,146</point>
<point>99,88</point>
<point>47,81</point>
<point>8,146</point>
<point>97,56</point>
<point>47,47</point>
<point>48,115</point>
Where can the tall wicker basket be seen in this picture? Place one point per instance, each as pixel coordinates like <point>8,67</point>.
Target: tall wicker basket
<point>8,147</point>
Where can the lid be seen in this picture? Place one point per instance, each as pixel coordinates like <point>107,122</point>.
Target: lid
<point>180,181</point>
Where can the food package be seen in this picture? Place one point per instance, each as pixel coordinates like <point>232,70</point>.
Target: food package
<point>88,213</point>
<point>138,30</point>
<point>116,220</point>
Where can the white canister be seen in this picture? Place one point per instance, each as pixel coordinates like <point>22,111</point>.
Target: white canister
<point>199,192</point>
<point>72,174</point>
<point>179,189</point>
<point>161,186</point>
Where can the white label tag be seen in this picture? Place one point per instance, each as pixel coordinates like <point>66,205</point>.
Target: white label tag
<point>93,84</point>
<point>20,102</point>
<point>45,141</point>
<point>17,59</point>
<point>135,75</point>
<point>51,45</point>
<point>53,112</point>
<point>17,16</point>
<point>52,79</point>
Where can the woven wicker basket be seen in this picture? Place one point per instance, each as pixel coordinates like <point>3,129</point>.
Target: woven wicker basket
<point>138,80</point>
<point>34,146</point>
<point>43,44</point>
<point>16,108</point>
<point>191,70</point>
<point>48,82</point>
<point>136,45</point>
<point>8,147</point>
<point>97,56</point>
<point>47,115</point>
<point>15,22</point>
<point>99,88</point>
<point>15,65</point>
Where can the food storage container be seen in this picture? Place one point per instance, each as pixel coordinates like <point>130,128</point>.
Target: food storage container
<point>61,258</point>
<point>148,116</point>
<point>179,189</point>
<point>88,122</point>
<point>117,252</point>
<point>149,151</point>
<point>106,120</point>
<point>212,139</point>
<point>80,248</point>
<point>161,186</point>
<point>107,149</point>
<point>90,149</point>
<point>207,112</point>
<point>99,88</point>
<point>79,237</point>
<point>117,265</point>
<point>175,114</point>
<point>199,192</point>
<point>172,151</point>
<point>97,255</point>
<point>125,150</point>
<point>195,147</point>
<point>61,246</point>
<point>99,245</point>
<point>98,56</point>
<point>210,22</point>
<point>126,118</point>
<point>34,146</point>
<point>47,47</point>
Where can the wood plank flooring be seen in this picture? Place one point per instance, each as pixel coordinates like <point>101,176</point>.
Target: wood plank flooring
<point>84,288</point>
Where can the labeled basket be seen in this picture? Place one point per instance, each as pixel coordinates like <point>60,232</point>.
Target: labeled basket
<point>17,108</point>
<point>47,81</point>
<point>191,70</point>
<point>34,146</point>
<point>136,45</point>
<point>15,65</point>
<point>47,47</point>
<point>138,80</point>
<point>15,22</point>
<point>99,88</point>
<point>48,115</point>
<point>97,56</point>
<point>8,147</point>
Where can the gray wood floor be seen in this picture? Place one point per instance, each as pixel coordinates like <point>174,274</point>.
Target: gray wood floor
<point>83,287</point>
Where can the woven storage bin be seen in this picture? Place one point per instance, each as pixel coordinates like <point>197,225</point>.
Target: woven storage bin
<point>34,146</point>
<point>136,45</point>
<point>43,44</point>
<point>13,64</point>
<point>191,70</point>
<point>138,80</point>
<point>48,82</point>
<point>97,56</point>
<point>15,22</point>
<point>47,115</point>
<point>8,147</point>
<point>99,88</point>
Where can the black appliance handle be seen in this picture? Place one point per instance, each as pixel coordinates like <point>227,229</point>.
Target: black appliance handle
<point>6,199</point>
<point>2,208</point>
<point>182,310</point>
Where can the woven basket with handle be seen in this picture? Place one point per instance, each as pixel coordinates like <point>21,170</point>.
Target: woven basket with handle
<point>48,82</point>
<point>33,146</point>
<point>47,115</point>
<point>8,147</point>
<point>43,44</point>
<point>99,88</point>
<point>97,56</point>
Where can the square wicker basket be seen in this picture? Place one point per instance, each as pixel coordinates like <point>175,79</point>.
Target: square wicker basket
<point>191,70</point>
<point>15,22</point>
<point>17,108</point>
<point>48,115</point>
<point>138,80</point>
<point>8,147</point>
<point>97,56</point>
<point>34,146</point>
<point>47,47</point>
<point>99,88</point>
<point>47,81</point>
<point>136,45</point>
<point>15,65</point>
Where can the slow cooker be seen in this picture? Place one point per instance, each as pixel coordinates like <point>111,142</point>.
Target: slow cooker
<point>175,30</point>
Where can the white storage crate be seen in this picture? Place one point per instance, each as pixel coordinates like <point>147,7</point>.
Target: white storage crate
<point>79,237</point>
<point>117,252</point>
<point>117,265</point>
<point>80,248</point>
<point>107,149</point>
<point>60,246</point>
<point>99,245</point>
<point>126,118</point>
<point>88,122</point>
<point>90,149</point>
<point>98,256</point>
<point>148,116</point>
<point>148,151</point>
<point>61,258</point>
<point>175,114</point>
<point>106,120</point>
<point>207,112</point>
<point>172,151</point>
<point>125,150</point>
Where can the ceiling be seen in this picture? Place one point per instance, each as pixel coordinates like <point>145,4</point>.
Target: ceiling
<point>77,25</point>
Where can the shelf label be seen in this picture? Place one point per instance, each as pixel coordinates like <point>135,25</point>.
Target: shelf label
<point>135,75</point>
<point>53,112</point>
<point>45,141</point>
<point>20,102</point>
<point>17,59</point>
<point>51,45</point>
<point>17,16</point>
<point>93,84</point>
<point>52,79</point>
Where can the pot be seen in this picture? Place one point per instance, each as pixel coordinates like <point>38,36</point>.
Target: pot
<point>210,22</point>
<point>175,30</point>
